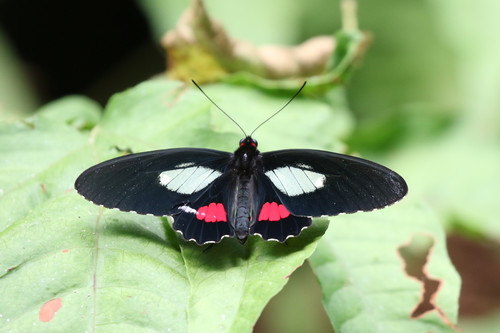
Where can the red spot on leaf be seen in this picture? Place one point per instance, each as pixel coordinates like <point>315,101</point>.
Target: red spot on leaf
<point>272,211</point>
<point>65,251</point>
<point>214,212</point>
<point>49,309</point>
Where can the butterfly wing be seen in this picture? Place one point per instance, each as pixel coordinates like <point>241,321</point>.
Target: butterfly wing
<point>273,220</point>
<point>319,183</point>
<point>205,218</point>
<point>155,182</point>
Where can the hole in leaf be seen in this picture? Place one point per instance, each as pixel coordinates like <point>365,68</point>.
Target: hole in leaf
<point>415,254</point>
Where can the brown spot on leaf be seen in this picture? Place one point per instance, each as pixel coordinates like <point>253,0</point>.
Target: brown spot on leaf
<point>49,309</point>
<point>416,253</point>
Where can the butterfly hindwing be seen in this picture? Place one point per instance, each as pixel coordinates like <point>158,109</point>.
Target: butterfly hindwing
<point>273,220</point>
<point>318,183</point>
<point>155,182</point>
<point>205,219</point>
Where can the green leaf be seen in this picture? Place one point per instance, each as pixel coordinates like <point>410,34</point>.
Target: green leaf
<point>115,271</point>
<point>362,274</point>
<point>36,153</point>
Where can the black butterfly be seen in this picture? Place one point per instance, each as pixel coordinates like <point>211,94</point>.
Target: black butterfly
<point>213,194</point>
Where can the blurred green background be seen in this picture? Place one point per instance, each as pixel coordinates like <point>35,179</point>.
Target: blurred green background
<point>425,97</point>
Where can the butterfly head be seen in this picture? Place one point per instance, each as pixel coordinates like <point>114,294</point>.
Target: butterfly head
<point>248,142</point>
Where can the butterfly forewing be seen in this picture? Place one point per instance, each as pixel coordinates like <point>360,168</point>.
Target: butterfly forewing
<point>155,182</point>
<point>318,183</point>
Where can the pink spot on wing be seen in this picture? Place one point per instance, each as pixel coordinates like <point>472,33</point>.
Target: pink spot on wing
<point>49,309</point>
<point>264,212</point>
<point>201,213</point>
<point>214,212</point>
<point>221,213</point>
<point>273,212</point>
<point>284,213</point>
<point>211,214</point>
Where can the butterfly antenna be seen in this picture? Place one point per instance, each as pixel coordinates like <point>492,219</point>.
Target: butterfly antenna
<point>234,121</point>
<point>284,106</point>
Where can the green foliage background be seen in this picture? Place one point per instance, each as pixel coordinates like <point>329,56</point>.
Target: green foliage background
<point>424,102</point>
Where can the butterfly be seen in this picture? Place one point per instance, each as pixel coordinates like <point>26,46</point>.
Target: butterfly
<point>212,194</point>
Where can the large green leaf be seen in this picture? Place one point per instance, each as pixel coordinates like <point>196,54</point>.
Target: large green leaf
<point>105,271</point>
<point>362,274</point>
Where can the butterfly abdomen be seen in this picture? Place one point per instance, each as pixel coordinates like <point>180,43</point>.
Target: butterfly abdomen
<point>243,198</point>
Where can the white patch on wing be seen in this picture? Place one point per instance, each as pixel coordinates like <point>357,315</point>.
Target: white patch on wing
<point>304,166</point>
<point>295,181</point>
<point>187,180</point>
<point>188,209</point>
<point>320,179</point>
<point>184,165</point>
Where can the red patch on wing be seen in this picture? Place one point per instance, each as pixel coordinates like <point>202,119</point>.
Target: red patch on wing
<point>49,309</point>
<point>65,251</point>
<point>214,212</point>
<point>272,211</point>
